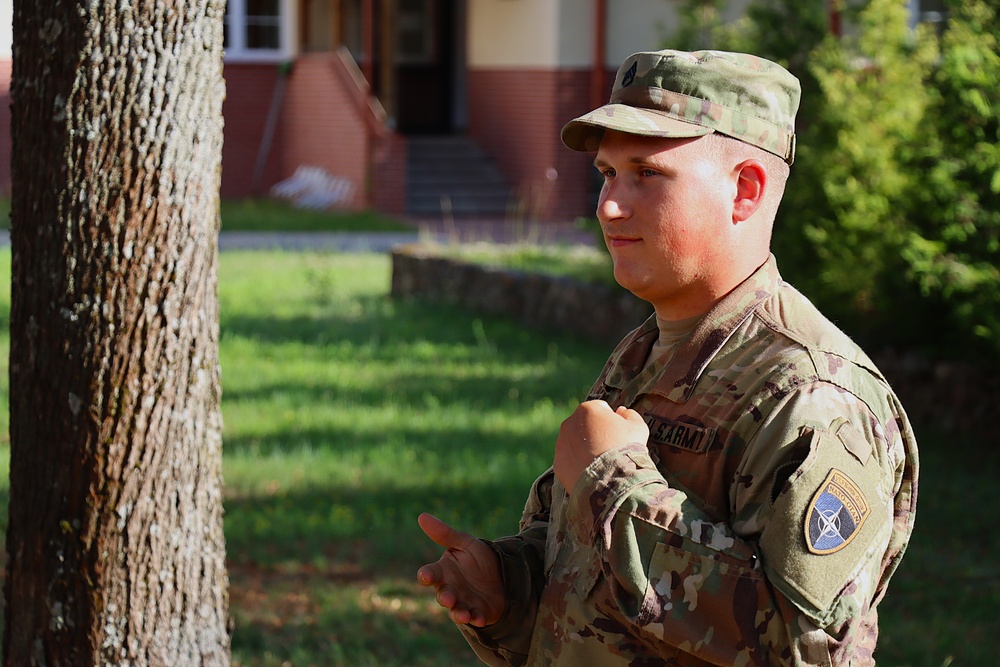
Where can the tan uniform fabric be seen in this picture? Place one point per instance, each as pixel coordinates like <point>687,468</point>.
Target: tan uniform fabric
<point>760,523</point>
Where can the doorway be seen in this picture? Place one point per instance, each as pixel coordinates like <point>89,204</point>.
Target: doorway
<point>417,57</point>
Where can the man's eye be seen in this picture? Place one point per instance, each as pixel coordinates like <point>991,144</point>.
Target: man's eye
<point>648,172</point>
<point>608,173</point>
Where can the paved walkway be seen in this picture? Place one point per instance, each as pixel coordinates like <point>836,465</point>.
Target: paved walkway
<point>380,242</point>
<point>315,241</point>
<point>497,231</point>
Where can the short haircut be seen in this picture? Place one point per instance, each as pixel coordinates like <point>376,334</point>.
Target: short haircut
<point>735,150</point>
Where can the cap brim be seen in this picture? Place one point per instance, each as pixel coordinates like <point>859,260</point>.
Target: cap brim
<point>584,133</point>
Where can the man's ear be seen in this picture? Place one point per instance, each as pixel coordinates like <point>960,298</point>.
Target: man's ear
<point>751,183</point>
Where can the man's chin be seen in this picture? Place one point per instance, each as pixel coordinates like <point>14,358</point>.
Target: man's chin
<point>632,283</point>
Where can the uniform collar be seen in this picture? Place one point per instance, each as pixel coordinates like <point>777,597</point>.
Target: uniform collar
<point>677,379</point>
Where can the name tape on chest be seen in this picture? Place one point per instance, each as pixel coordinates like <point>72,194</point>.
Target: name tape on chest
<point>835,515</point>
<point>689,437</point>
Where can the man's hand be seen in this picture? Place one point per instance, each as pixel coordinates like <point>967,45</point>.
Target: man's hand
<point>591,430</point>
<point>467,577</point>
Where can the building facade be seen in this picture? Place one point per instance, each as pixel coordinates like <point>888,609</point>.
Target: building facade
<point>348,85</point>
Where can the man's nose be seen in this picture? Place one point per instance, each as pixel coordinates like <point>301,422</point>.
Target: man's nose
<point>611,206</point>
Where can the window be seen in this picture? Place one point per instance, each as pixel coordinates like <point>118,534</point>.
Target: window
<point>928,11</point>
<point>414,23</point>
<point>415,31</point>
<point>257,29</point>
<point>351,28</point>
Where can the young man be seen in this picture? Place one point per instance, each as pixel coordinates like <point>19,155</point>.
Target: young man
<point>741,482</point>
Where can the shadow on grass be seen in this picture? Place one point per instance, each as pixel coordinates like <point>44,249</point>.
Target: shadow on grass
<point>389,327</point>
<point>369,530</point>
<point>496,388</point>
<point>289,617</point>
<point>941,605</point>
<point>327,575</point>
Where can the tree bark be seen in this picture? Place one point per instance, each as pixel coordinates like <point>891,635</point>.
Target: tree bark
<point>115,542</point>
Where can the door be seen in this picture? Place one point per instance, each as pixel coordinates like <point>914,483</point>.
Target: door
<point>425,65</point>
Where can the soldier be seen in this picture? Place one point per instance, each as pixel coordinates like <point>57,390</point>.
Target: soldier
<point>741,483</point>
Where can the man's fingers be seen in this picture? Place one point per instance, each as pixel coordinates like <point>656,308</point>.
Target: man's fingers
<point>629,414</point>
<point>446,597</point>
<point>442,533</point>
<point>429,575</point>
<point>460,616</point>
<point>476,618</point>
<point>457,611</point>
<point>595,404</point>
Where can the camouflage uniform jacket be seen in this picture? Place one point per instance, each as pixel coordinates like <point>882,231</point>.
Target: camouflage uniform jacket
<point>758,525</point>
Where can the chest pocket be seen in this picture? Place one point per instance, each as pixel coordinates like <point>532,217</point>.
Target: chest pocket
<point>692,458</point>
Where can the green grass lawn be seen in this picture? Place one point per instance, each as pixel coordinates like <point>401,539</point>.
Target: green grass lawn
<point>270,215</point>
<point>580,262</point>
<point>348,413</point>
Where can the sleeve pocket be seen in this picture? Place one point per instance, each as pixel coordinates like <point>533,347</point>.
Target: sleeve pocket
<point>828,524</point>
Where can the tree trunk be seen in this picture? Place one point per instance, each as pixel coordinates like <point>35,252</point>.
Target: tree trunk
<point>115,542</point>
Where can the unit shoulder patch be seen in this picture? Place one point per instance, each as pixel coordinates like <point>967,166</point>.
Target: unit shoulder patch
<point>835,515</point>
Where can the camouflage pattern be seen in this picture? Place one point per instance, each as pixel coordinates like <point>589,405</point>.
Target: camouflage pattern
<point>680,94</point>
<point>694,548</point>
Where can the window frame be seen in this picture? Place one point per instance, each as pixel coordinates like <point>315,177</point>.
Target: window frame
<point>236,27</point>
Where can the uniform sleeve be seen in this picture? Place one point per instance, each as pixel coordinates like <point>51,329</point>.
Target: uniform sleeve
<point>521,559</point>
<point>790,579</point>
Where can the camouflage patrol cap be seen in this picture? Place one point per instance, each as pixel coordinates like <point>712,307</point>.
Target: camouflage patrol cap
<point>681,94</point>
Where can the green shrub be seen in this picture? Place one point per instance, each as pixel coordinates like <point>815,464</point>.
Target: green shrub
<point>957,208</point>
<point>848,206</point>
<point>891,220</point>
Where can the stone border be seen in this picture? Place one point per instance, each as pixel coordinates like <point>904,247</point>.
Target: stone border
<point>602,313</point>
<point>958,397</point>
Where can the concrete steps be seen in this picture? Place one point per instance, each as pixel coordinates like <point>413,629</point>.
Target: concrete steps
<point>452,175</point>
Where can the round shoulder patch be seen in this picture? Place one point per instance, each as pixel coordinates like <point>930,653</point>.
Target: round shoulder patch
<point>835,515</point>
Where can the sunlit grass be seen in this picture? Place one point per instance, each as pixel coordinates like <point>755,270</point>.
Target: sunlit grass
<point>581,262</point>
<point>347,414</point>
<point>276,216</point>
<point>270,215</point>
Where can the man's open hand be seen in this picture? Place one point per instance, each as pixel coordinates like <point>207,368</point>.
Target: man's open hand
<point>467,577</point>
<point>592,429</point>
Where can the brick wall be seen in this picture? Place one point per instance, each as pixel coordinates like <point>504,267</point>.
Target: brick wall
<point>321,122</point>
<point>323,126</point>
<point>388,181</point>
<point>249,91</point>
<point>516,115</point>
<point>324,121</point>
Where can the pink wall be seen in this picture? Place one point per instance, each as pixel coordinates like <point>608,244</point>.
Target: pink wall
<point>324,122</point>
<point>321,122</point>
<point>249,91</point>
<point>322,125</point>
<point>5,127</point>
<point>388,182</point>
<point>516,116</point>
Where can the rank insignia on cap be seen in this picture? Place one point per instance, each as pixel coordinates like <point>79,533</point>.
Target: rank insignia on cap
<point>835,515</point>
<point>630,74</point>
